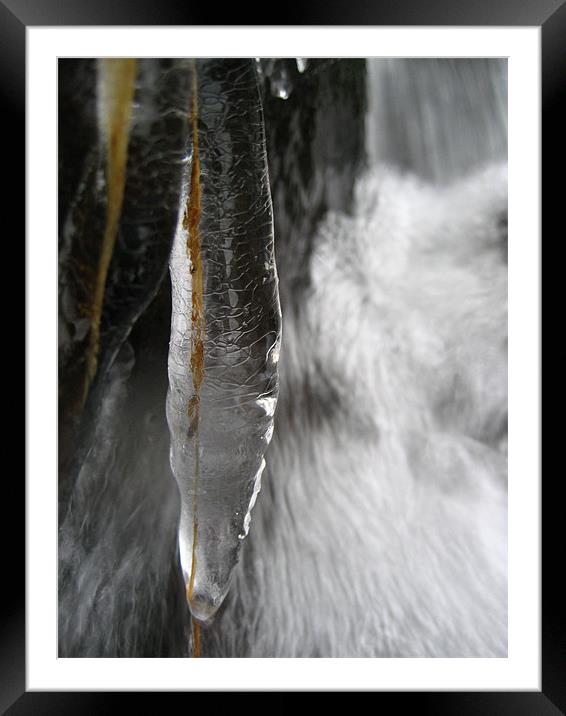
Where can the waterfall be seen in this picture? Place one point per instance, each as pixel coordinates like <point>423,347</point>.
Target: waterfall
<point>439,118</point>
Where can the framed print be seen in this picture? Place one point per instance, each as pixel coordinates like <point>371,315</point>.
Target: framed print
<point>285,373</point>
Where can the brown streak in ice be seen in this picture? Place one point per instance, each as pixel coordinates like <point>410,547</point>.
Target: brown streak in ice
<point>117,84</point>
<point>191,221</point>
<point>196,639</point>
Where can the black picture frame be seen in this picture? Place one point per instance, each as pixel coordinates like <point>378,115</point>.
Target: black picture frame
<point>550,15</point>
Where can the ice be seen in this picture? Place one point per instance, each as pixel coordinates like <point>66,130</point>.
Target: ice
<point>225,330</point>
<point>281,85</point>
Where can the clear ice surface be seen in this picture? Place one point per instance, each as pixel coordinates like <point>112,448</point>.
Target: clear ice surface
<point>220,413</point>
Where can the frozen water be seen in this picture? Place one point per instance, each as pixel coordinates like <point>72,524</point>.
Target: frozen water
<point>225,332</point>
<point>281,85</point>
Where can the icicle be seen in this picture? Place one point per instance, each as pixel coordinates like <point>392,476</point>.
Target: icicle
<point>115,91</point>
<point>225,330</point>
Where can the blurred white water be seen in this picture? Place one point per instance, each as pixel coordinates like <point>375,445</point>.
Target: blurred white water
<point>382,526</point>
<point>437,117</point>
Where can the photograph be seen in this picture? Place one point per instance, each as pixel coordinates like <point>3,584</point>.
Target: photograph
<point>282,293</point>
